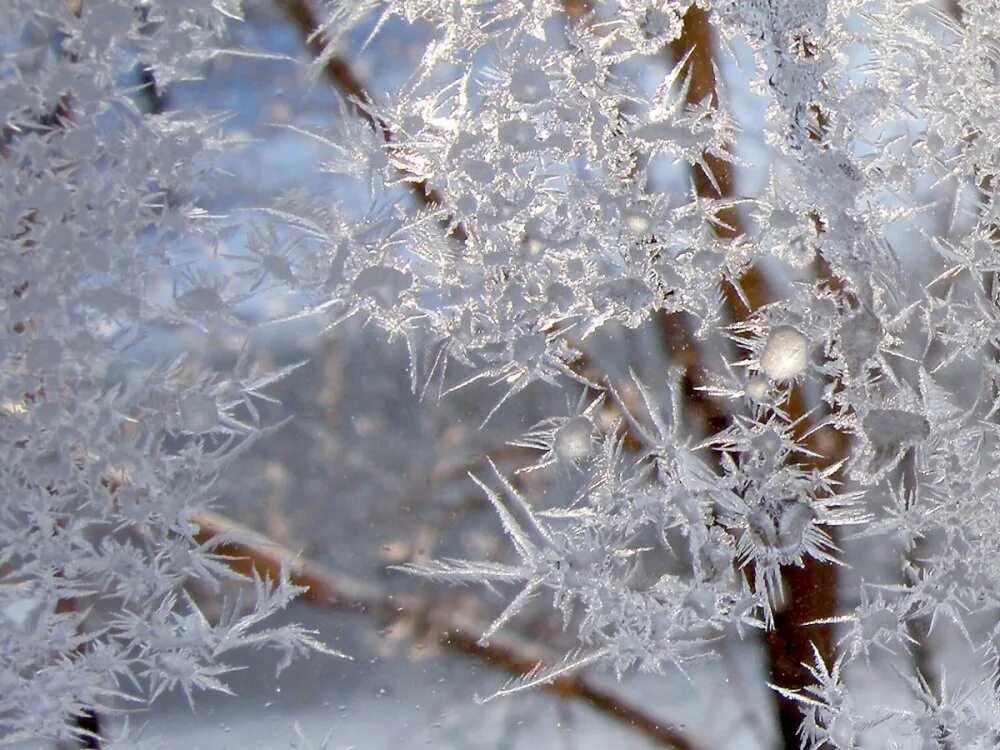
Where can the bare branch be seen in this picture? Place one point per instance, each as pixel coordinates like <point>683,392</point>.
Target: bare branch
<point>250,552</point>
<point>344,79</point>
<point>812,588</point>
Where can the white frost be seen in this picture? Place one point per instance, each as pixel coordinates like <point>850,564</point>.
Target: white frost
<point>785,355</point>
<point>572,441</point>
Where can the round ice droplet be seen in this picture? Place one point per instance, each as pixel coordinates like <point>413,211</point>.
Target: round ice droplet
<point>638,222</point>
<point>199,412</point>
<point>572,440</point>
<point>529,86</point>
<point>785,355</point>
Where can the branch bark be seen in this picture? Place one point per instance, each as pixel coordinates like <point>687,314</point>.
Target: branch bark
<point>248,552</point>
<point>697,41</point>
<point>810,590</point>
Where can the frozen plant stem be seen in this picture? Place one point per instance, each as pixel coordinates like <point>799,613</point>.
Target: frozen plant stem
<point>697,41</point>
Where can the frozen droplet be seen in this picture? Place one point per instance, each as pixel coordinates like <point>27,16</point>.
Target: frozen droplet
<point>785,355</point>
<point>532,248</point>
<point>768,447</point>
<point>638,222</point>
<point>585,71</point>
<point>628,298</point>
<point>756,389</point>
<point>529,86</point>
<point>559,294</point>
<point>479,170</point>
<point>199,412</point>
<point>762,527</point>
<point>714,561</point>
<point>886,427</point>
<point>572,440</point>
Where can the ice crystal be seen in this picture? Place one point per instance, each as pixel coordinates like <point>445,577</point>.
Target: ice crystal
<point>781,323</point>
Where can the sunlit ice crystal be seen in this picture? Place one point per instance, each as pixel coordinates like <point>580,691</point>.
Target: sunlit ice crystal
<point>785,355</point>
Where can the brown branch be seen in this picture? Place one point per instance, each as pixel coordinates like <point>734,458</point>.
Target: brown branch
<point>249,552</point>
<point>696,40</point>
<point>810,590</point>
<point>345,80</point>
<point>337,71</point>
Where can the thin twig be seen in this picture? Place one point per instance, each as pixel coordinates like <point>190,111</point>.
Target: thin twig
<point>345,80</point>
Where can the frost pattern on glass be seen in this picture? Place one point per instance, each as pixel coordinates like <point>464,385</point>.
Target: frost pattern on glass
<point>105,457</point>
<point>543,146</point>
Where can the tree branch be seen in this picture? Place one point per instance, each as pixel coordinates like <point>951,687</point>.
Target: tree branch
<point>343,78</point>
<point>811,592</point>
<point>250,552</point>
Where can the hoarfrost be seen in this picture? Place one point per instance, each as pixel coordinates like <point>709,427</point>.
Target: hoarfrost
<point>785,355</point>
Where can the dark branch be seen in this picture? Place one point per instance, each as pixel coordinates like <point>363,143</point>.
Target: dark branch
<point>343,78</point>
<point>811,590</point>
<point>250,552</point>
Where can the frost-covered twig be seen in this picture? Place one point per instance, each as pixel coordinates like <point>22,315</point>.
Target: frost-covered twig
<point>811,587</point>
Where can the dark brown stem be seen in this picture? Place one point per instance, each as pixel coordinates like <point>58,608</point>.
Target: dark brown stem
<point>697,41</point>
<point>810,590</point>
<point>249,552</point>
<point>344,79</point>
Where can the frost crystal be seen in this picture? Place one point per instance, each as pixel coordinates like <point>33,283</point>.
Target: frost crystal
<point>106,456</point>
<point>735,262</point>
<point>785,355</point>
